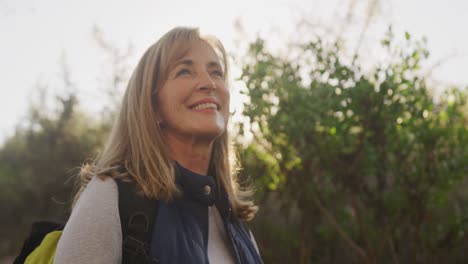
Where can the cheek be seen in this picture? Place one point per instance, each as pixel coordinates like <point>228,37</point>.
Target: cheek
<point>226,97</point>
<point>164,104</point>
<point>171,97</point>
<point>160,102</point>
<point>224,92</point>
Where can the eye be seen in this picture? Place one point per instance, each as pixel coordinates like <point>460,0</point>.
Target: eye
<point>218,73</point>
<point>183,72</point>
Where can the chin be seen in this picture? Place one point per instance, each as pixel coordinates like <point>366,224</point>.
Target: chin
<point>210,133</point>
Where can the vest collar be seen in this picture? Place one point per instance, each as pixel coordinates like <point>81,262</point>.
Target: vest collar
<point>196,187</point>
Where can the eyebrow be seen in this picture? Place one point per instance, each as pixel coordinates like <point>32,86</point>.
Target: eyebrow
<point>189,62</point>
<point>184,62</point>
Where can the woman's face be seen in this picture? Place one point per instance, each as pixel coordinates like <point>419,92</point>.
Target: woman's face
<point>194,101</point>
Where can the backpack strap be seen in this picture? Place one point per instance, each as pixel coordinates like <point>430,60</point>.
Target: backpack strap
<point>38,231</point>
<point>137,217</point>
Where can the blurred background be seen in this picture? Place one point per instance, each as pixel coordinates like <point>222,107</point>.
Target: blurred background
<point>350,116</point>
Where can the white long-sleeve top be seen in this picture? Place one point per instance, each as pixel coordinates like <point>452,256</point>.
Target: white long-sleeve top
<point>93,232</point>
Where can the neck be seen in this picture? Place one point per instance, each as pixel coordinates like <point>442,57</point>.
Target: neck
<point>190,153</point>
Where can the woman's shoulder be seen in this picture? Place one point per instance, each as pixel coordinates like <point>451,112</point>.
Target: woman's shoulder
<point>100,191</point>
<point>103,183</point>
<point>93,232</point>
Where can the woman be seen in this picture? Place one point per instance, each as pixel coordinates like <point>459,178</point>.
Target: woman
<point>170,140</point>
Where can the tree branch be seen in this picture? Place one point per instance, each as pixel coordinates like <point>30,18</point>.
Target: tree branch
<point>340,231</point>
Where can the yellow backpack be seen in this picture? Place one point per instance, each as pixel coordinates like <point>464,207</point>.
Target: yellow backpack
<point>45,252</point>
<point>137,215</point>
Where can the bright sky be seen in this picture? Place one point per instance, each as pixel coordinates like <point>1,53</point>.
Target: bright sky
<point>35,35</point>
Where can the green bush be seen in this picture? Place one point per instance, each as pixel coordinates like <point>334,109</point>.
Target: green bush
<point>353,165</point>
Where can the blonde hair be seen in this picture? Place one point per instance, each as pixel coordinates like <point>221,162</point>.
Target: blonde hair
<point>136,141</point>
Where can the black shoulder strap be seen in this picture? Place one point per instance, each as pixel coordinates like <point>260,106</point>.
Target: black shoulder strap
<point>38,231</point>
<point>137,217</point>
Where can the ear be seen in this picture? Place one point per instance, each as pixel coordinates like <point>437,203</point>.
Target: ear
<point>157,113</point>
<point>159,119</point>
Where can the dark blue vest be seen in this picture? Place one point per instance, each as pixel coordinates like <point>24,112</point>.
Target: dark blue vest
<point>180,233</point>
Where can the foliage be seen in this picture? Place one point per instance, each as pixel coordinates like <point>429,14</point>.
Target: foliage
<point>353,165</point>
<point>35,162</point>
<point>39,162</point>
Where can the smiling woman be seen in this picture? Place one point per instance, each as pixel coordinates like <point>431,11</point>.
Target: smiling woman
<point>194,101</point>
<point>164,189</point>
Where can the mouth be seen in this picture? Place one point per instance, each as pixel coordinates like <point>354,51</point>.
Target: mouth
<point>204,105</point>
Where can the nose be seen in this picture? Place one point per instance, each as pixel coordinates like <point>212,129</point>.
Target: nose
<point>206,83</point>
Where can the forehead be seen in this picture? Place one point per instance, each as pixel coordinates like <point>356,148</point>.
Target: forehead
<point>198,51</point>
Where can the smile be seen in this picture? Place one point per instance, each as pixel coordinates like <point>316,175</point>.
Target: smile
<point>205,106</point>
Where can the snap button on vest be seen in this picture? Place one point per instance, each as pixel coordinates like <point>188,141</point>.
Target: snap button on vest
<point>207,189</point>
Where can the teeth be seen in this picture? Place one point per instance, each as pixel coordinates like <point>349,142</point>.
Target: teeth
<point>206,106</point>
